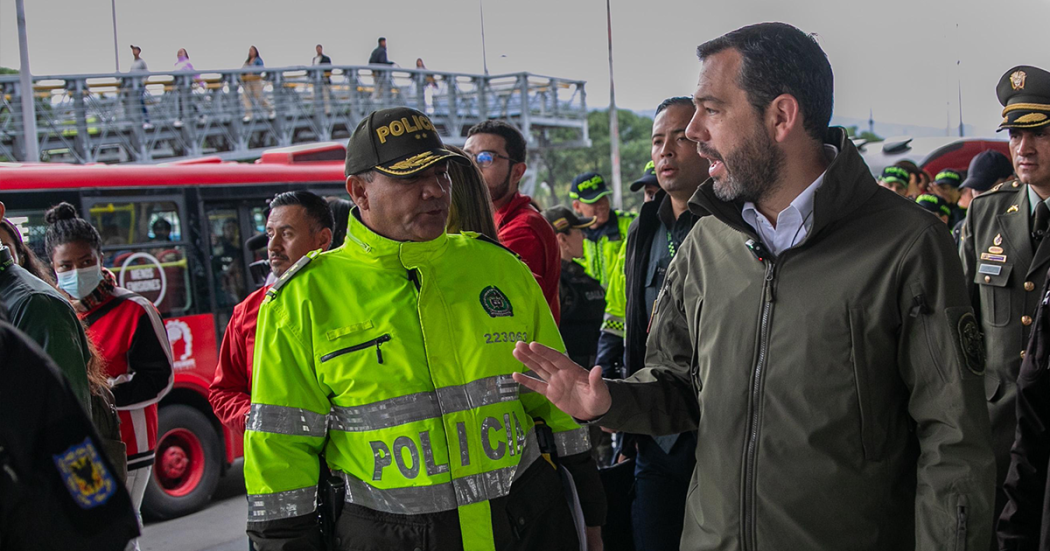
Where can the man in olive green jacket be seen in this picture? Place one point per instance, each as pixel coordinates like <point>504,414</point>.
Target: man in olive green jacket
<point>830,363</point>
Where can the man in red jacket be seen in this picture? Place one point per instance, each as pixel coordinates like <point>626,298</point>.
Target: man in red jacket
<point>299,222</point>
<point>499,150</point>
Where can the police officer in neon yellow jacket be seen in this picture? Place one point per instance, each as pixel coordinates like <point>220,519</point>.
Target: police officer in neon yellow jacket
<point>603,241</point>
<point>391,355</point>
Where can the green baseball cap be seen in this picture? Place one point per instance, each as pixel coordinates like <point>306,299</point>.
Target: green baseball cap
<point>588,187</point>
<point>648,178</point>
<point>398,142</point>
<point>934,204</point>
<point>895,175</point>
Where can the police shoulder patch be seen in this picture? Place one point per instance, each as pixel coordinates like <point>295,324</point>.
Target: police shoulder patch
<point>89,482</point>
<point>290,273</point>
<point>495,303</point>
<point>971,343</point>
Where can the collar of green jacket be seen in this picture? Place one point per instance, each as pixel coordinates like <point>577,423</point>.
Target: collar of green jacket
<point>847,185</point>
<point>367,244</point>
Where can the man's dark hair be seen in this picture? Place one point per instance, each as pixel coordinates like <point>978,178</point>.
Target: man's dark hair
<point>677,100</point>
<point>516,145</point>
<point>381,40</point>
<point>64,226</point>
<point>315,206</point>
<point>780,59</point>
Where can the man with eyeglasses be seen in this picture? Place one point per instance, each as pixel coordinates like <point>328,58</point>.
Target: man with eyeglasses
<point>499,150</point>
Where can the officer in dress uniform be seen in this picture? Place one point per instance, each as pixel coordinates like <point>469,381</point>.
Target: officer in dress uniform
<point>1004,251</point>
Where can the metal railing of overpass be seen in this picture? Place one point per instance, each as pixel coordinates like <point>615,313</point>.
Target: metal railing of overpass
<point>238,113</point>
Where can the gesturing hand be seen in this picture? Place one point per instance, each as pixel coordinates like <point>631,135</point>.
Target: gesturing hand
<point>568,386</point>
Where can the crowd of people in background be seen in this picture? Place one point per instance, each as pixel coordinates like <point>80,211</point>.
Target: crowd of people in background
<point>776,348</point>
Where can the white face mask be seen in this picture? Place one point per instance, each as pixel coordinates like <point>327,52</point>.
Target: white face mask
<point>79,283</point>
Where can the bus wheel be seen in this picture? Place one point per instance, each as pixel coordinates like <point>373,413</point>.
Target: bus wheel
<point>188,463</point>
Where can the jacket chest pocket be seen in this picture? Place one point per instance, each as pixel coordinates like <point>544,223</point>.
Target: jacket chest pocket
<point>992,279</point>
<point>376,343</point>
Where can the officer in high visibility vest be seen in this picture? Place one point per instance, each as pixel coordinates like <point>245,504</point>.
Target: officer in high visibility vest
<point>391,355</point>
<point>602,241</point>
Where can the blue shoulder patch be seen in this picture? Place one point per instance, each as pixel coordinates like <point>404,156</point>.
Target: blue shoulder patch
<point>89,483</point>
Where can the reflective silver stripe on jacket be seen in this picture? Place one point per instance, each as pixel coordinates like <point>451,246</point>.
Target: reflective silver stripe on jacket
<point>286,420</point>
<point>423,405</point>
<point>281,505</point>
<point>572,442</point>
<point>418,500</point>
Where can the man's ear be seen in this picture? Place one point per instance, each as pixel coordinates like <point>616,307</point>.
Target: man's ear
<point>355,187</point>
<point>325,239</point>
<point>517,171</point>
<point>784,116</point>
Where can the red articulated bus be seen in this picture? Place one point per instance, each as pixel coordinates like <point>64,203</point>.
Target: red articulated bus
<point>195,269</point>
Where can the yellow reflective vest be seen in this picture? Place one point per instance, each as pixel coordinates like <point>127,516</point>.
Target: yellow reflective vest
<point>599,256</point>
<point>394,360</point>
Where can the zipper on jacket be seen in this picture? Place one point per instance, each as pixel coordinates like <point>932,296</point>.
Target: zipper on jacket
<point>376,342</point>
<point>960,527</point>
<point>752,432</point>
<point>413,276</point>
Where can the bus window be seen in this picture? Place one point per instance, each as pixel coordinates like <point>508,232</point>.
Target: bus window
<point>227,256</point>
<point>144,246</point>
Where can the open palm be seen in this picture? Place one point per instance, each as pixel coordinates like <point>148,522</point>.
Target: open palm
<point>571,388</point>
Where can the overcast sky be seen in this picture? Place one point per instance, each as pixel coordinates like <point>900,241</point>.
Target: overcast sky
<point>895,57</point>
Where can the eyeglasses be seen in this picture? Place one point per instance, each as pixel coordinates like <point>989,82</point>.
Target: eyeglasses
<point>486,158</point>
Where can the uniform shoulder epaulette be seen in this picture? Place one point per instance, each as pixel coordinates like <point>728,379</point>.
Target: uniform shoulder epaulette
<point>491,241</point>
<point>290,273</point>
<point>1006,186</point>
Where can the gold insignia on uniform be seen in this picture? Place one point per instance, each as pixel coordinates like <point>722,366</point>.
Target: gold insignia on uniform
<point>1013,208</point>
<point>1030,118</point>
<point>1017,80</point>
<point>998,239</point>
<point>995,250</point>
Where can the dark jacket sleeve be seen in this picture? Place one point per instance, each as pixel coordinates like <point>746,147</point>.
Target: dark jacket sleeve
<point>941,363</point>
<point>968,255</point>
<point>45,437</point>
<point>51,322</point>
<point>149,361</point>
<point>1022,520</point>
<point>660,399</point>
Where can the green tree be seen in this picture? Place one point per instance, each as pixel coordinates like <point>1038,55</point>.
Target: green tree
<point>558,165</point>
<point>8,71</point>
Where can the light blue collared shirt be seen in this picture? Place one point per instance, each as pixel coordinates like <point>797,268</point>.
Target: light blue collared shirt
<point>793,223</point>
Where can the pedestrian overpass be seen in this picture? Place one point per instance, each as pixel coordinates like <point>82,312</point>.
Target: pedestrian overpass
<point>236,114</point>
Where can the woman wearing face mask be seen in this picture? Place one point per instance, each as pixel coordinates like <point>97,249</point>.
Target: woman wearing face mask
<point>127,330</point>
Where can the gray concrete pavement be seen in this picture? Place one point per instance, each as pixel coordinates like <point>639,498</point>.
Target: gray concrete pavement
<point>218,527</point>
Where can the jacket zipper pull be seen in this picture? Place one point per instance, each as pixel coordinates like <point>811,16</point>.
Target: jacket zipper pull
<point>769,281</point>
<point>379,344</point>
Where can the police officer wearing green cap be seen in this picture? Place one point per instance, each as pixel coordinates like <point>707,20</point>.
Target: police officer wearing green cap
<point>946,186</point>
<point>604,240</point>
<point>1004,254</point>
<point>896,179</point>
<point>648,181</point>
